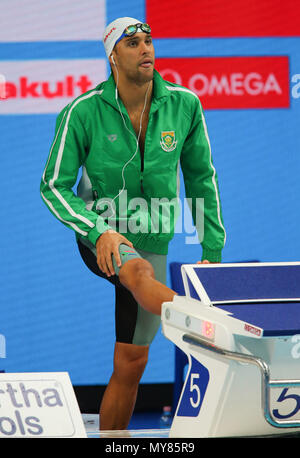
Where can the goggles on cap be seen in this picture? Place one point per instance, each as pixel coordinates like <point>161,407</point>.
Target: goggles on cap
<point>132,29</point>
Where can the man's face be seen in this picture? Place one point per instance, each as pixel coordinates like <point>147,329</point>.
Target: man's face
<point>134,57</point>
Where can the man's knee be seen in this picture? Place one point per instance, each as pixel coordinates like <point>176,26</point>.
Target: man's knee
<point>133,271</point>
<point>130,362</point>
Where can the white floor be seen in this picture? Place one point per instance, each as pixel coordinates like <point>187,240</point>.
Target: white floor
<point>91,423</point>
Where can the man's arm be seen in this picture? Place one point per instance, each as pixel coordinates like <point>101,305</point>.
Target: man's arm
<point>201,182</point>
<point>67,154</point>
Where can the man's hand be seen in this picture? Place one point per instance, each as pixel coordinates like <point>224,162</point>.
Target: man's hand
<point>205,261</point>
<point>108,245</point>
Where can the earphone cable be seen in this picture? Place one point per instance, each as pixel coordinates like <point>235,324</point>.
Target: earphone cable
<point>137,138</point>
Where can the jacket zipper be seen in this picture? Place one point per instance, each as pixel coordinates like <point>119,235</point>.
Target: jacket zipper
<point>142,161</point>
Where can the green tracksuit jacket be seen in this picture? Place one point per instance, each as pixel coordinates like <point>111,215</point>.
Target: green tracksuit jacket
<point>134,193</point>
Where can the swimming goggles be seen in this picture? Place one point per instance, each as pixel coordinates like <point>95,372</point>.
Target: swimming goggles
<point>132,29</point>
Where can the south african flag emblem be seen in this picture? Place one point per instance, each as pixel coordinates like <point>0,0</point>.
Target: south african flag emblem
<point>168,141</point>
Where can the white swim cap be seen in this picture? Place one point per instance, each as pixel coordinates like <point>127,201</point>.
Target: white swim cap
<point>114,30</point>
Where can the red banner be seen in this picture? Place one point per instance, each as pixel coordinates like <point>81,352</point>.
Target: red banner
<point>219,18</point>
<point>231,82</point>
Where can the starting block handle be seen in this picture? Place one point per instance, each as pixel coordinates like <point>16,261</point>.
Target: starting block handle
<point>265,376</point>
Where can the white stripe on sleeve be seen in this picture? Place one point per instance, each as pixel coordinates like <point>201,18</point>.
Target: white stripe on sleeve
<point>58,163</point>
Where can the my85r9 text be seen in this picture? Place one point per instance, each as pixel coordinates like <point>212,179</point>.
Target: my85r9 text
<point>171,447</point>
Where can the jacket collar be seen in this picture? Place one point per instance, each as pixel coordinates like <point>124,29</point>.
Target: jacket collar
<point>159,96</point>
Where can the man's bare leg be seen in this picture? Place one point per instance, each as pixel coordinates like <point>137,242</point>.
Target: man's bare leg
<point>119,399</point>
<point>120,395</point>
<point>137,276</point>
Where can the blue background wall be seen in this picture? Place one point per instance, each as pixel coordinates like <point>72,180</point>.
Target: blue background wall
<point>57,316</point>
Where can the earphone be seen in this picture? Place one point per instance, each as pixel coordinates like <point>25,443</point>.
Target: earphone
<point>131,133</point>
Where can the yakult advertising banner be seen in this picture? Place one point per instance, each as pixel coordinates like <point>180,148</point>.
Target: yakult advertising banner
<point>46,86</point>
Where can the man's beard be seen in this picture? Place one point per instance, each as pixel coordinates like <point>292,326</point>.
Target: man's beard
<point>140,78</point>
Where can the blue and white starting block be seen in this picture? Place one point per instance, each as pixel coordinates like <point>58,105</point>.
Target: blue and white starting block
<point>239,325</point>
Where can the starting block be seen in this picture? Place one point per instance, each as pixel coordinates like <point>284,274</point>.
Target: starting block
<point>239,325</point>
